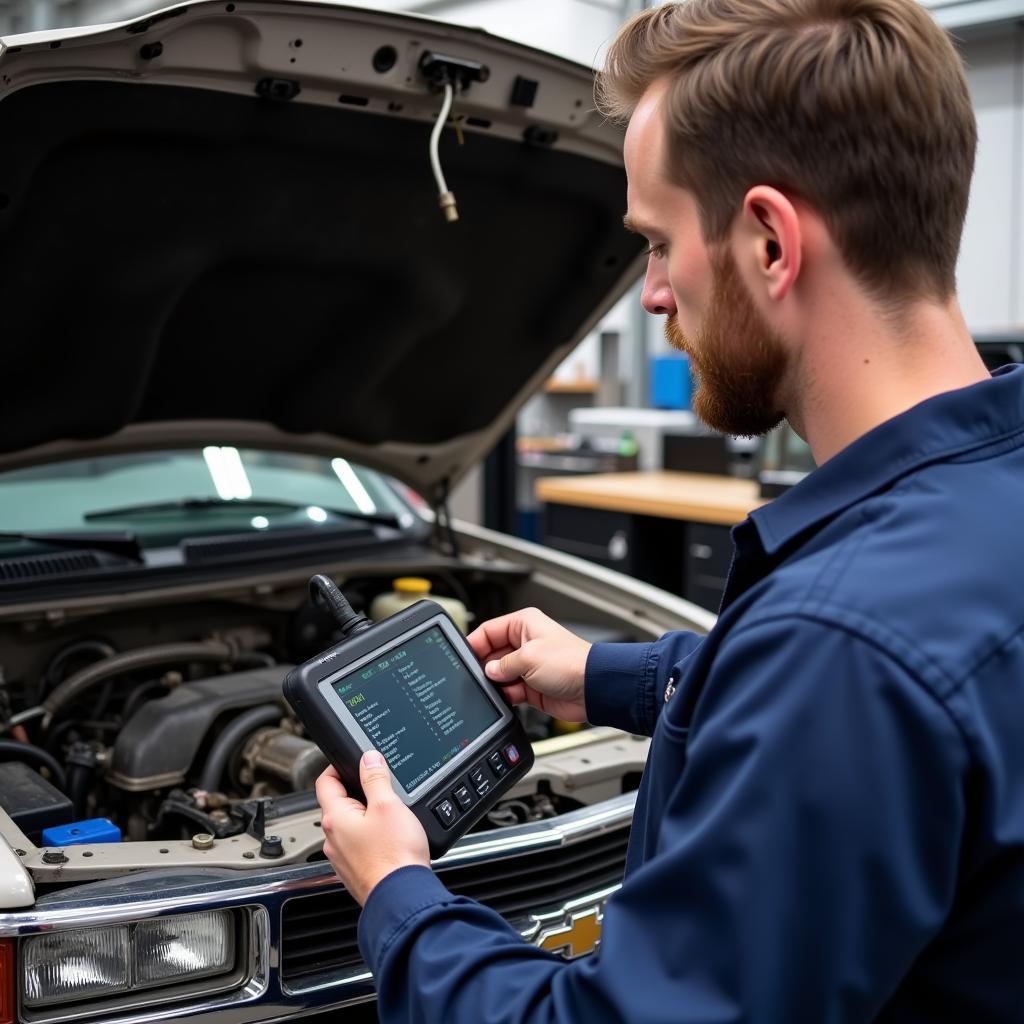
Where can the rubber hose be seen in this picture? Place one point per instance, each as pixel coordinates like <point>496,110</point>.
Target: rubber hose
<point>52,674</point>
<point>231,737</point>
<point>80,778</point>
<point>57,733</point>
<point>140,695</point>
<point>130,661</point>
<point>255,659</point>
<point>12,750</point>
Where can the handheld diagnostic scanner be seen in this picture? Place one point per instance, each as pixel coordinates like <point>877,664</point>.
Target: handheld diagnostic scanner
<point>411,687</point>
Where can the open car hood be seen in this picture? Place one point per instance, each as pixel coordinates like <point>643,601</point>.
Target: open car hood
<point>218,225</point>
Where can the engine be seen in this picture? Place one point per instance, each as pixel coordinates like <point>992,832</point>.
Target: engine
<point>169,739</point>
<point>205,750</point>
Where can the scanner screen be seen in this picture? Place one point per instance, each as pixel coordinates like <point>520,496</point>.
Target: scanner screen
<point>418,705</point>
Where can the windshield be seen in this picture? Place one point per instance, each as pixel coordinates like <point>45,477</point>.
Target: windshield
<point>167,496</point>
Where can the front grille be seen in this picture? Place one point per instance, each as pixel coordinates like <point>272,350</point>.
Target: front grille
<point>318,933</point>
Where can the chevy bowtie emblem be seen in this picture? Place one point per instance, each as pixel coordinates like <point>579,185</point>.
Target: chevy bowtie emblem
<point>578,936</point>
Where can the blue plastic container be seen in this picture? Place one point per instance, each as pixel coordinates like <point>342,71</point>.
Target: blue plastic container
<point>92,830</point>
<point>670,382</point>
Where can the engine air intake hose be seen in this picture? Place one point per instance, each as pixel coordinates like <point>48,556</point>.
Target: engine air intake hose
<point>130,661</point>
<point>230,740</point>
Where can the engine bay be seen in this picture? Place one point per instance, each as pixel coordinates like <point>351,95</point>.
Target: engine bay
<point>168,722</point>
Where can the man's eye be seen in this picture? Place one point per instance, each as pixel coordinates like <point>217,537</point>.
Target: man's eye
<point>657,250</point>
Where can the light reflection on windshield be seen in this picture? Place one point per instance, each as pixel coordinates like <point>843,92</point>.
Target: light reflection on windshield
<point>57,496</point>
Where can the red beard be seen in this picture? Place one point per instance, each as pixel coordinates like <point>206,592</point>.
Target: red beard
<point>739,361</point>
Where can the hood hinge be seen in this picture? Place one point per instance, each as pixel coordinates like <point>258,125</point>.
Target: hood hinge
<point>444,535</point>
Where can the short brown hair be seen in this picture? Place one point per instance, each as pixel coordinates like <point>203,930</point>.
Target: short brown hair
<point>858,107</point>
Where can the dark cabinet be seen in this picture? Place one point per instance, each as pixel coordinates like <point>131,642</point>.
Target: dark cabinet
<point>706,563</point>
<point>689,559</point>
<point>644,547</point>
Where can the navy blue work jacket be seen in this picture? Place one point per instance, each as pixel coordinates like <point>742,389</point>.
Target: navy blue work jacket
<point>830,826</point>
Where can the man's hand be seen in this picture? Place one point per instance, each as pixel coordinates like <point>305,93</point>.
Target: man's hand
<point>534,660</point>
<point>364,844</point>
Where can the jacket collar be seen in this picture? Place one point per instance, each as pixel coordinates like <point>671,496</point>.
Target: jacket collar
<point>938,428</point>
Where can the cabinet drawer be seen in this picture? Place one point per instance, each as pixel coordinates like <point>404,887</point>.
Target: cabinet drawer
<point>706,564</point>
<point>644,547</point>
<point>601,536</point>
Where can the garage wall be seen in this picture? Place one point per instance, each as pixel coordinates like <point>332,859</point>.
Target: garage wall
<point>989,273</point>
<point>577,29</point>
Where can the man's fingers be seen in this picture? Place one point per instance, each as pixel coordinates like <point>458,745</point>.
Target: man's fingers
<point>512,630</point>
<point>332,795</point>
<point>498,654</point>
<point>375,777</point>
<point>514,693</point>
<point>492,635</point>
<point>328,786</point>
<point>510,667</point>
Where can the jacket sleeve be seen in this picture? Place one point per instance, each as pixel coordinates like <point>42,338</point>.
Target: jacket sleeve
<point>625,683</point>
<point>802,859</point>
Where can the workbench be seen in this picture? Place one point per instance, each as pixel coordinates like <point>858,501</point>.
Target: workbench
<point>669,529</point>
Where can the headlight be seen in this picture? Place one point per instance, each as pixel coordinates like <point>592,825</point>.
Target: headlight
<point>91,962</point>
<point>75,965</point>
<point>183,948</point>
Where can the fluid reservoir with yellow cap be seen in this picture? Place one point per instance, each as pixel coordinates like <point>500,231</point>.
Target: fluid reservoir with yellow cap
<point>410,589</point>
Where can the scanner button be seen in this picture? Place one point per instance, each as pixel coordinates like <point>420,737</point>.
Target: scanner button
<point>480,781</point>
<point>512,755</point>
<point>446,813</point>
<point>463,797</point>
<point>497,765</point>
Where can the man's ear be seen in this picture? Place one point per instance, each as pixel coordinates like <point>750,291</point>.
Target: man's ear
<point>769,243</point>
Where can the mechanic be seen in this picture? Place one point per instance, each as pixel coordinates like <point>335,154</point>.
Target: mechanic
<point>830,826</point>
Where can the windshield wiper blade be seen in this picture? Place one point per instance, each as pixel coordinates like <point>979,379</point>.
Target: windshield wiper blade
<point>120,542</point>
<point>178,504</point>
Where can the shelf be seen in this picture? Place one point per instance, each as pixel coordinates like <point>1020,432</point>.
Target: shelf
<point>694,497</point>
<point>570,387</point>
<point>528,443</point>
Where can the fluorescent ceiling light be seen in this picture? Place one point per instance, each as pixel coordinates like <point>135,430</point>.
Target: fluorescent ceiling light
<point>227,472</point>
<point>317,514</point>
<point>347,475</point>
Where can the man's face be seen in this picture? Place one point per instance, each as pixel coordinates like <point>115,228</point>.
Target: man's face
<point>738,359</point>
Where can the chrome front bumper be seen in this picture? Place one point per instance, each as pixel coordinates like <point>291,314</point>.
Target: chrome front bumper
<point>261,995</point>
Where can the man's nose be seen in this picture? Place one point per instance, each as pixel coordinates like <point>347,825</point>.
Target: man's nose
<point>656,296</point>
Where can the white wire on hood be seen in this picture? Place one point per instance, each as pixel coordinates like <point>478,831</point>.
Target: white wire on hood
<point>445,198</point>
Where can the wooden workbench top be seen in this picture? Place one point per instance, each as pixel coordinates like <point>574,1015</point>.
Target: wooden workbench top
<point>695,497</point>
